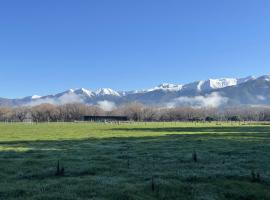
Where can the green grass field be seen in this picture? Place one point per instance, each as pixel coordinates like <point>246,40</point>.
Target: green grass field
<point>135,161</point>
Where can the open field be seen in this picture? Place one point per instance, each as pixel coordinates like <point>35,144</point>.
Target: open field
<point>135,161</point>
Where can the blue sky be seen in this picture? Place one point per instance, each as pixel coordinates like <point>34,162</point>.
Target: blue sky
<point>53,45</point>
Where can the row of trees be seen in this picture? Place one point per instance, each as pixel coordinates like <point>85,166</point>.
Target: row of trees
<point>134,111</point>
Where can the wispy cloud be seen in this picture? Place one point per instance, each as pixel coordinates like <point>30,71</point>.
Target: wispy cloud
<point>70,98</point>
<point>212,100</point>
<point>64,99</point>
<point>106,105</point>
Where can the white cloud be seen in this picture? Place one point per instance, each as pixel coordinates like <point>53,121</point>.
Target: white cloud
<point>106,105</point>
<point>64,99</point>
<point>212,100</point>
<point>41,101</point>
<point>70,98</point>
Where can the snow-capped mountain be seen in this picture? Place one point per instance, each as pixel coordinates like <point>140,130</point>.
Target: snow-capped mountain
<point>83,91</point>
<point>256,91</point>
<point>106,92</point>
<point>212,84</point>
<point>232,91</point>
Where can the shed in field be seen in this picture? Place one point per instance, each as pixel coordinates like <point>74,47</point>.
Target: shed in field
<point>105,118</point>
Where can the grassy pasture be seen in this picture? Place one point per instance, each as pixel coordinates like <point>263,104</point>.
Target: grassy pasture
<point>135,161</point>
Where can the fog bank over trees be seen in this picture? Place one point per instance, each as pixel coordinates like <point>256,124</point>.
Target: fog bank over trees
<point>134,111</point>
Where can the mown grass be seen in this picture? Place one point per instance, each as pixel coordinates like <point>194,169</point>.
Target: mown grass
<point>135,161</point>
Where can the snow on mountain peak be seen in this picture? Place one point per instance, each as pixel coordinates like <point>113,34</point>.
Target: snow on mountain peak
<point>106,91</point>
<point>166,87</point>
<point>211,84</point>
<point>226,82</point>
<point>200,85</point>
<point>170,86</point>
<point>36,97</point>
<point>88,92</point>
<point>84,92</point>
<point>222,82</point>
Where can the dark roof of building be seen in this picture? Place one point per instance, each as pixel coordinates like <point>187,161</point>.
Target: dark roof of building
<point>97,118</point>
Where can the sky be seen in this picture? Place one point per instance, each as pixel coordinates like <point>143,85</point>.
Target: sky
<point>54,45</point>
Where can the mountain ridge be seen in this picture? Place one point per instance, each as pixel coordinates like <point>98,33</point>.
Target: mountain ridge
<point>236,91</point>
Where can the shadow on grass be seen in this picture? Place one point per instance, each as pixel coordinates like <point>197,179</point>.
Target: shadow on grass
<point>214,129</point>
<point>127,167</point>
<point>170,133</point>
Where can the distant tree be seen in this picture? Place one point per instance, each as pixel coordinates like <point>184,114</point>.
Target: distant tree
<point>149,114</point>
<point>133,111</point>
<point>20,113</point>
<point>93,110</point>
<point>5,113</point>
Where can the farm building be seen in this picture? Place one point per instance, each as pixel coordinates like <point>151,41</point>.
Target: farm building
<point>105,118</point>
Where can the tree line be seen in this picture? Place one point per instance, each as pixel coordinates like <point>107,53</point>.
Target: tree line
<point>134,111</point>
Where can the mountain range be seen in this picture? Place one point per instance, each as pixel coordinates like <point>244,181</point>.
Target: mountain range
<point>212,92</point>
